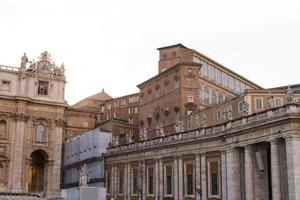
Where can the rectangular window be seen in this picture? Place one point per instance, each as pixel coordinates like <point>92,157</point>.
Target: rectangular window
<point>190,99</point>
<point>169,180</point>
<point>157,92</point>
<point>214,190</point>
<point>258,103</point>
<point>189,81</point>
<point>5,85</point>
<point>150,183</point>
<point>43,88</point>
<point>237,86</point>
<point>189,179</point>
<point>231,82</point>
<point>240,106</point>
<point>218,115</point>
<point>136,110</point>
<point>224,79</point>
<point>212,74</point>
<point>278,101</point>
<point>121,181</point>
<point>134,181</point>
<point>219,76</point>
<point>177,84</point>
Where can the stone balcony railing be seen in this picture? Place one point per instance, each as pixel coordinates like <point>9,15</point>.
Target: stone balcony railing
<point>208,132</point>
<point>9,68</point>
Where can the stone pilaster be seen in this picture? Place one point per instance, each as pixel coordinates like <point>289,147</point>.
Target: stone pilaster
<point>129,182</point>
<point>293,167</point>
<point>156,179</point>
<point>144,181</point>
<point>224,175</point>
<point>233,174</point>
<point>249,181</point>
<point>275,170</point>
<point>161,179</point>
<point>175,166</point>
<point>198,176</point>
<point>180,178</point>
<point>57,139</point>
<point>18,152</point>
<point>142,176</point>
<point>203,177</point>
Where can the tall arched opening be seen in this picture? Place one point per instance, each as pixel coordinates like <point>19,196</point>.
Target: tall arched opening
<point>37,172</point>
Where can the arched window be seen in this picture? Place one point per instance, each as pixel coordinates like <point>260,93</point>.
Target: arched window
<point>1,173</point>
<point>3,127</point>
<point>213,97</point>
<point>40,133</point>
<point>206,95</point>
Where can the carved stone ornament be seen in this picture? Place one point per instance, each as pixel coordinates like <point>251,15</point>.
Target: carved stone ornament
<point>245,108</point>
<point>46,66</point>
<point>20,116</point>
<point>143,134</point>
<point>179,126</point>
<point>60,122</point>
<point>129,138</point>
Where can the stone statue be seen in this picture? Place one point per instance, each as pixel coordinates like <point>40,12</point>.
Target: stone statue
<point>144,134</point>
<point>271,100</point>
<point>161,131</point>
<point>245,108</point>
<point>117,141</point>
<point>179,126</point>
<point>24,61</point>
<point>62,69</point>
<point>289,94</point>
<point>227,114</point>
<point>202,121</point>
<point>84,176</point>
<point>129,139</point>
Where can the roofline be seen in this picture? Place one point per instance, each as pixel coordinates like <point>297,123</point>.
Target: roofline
<point>285,86</point>
<point>171,46</point>
<point>229,70</point>
<point>170,69</point>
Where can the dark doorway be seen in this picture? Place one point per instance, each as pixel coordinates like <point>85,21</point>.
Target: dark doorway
<point>37,173</point>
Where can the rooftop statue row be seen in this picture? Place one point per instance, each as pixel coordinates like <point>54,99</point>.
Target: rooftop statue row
<point>44,65</point>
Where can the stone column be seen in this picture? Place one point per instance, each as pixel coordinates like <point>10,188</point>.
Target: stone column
<point>116,180</point>
<point>275,170</point>
<point>175,166</point>
<point>129,181</point>
<point>161,179</point>
<point>180,178</point>
<point>203,177</point>
<point>224,175</point>
<point>233,174</point>
<point>142,175</point>
<point>156,179</point>
<point>125,180</point>
<point>144,181</point>
<point>249,183</point>
<point>293,167</point>
<point>198,176</point>
<point>112,180</point>
<point>18,153</point>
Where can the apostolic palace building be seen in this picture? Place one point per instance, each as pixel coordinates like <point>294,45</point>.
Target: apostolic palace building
<point>196,130</point>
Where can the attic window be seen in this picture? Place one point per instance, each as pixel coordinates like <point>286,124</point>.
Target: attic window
<point>43,88</point>
<point>5,85</point>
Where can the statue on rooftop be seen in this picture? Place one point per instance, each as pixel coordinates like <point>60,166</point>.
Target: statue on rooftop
<point>129,139</point>
<point>24,61</point>
<point>289,94</point>
<point>271,100</point>
<point>179,126</point>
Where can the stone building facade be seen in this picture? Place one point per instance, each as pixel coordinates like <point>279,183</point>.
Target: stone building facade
<point>32,122</point>
<point>252,157</point>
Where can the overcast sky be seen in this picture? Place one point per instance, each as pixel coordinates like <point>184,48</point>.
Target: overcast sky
<point>112,44</point>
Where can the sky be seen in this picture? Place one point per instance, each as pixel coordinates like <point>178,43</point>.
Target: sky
<point>112,44</point>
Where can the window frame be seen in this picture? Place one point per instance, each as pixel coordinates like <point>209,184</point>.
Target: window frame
<point>165,180</point>
<point>186,181</point>
<point>41,90</point>
<point>209,160</point>
<point>153,183</point>
<point>256,103</point>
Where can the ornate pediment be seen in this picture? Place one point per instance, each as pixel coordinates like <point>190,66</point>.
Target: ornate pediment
<point>46,67</point>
